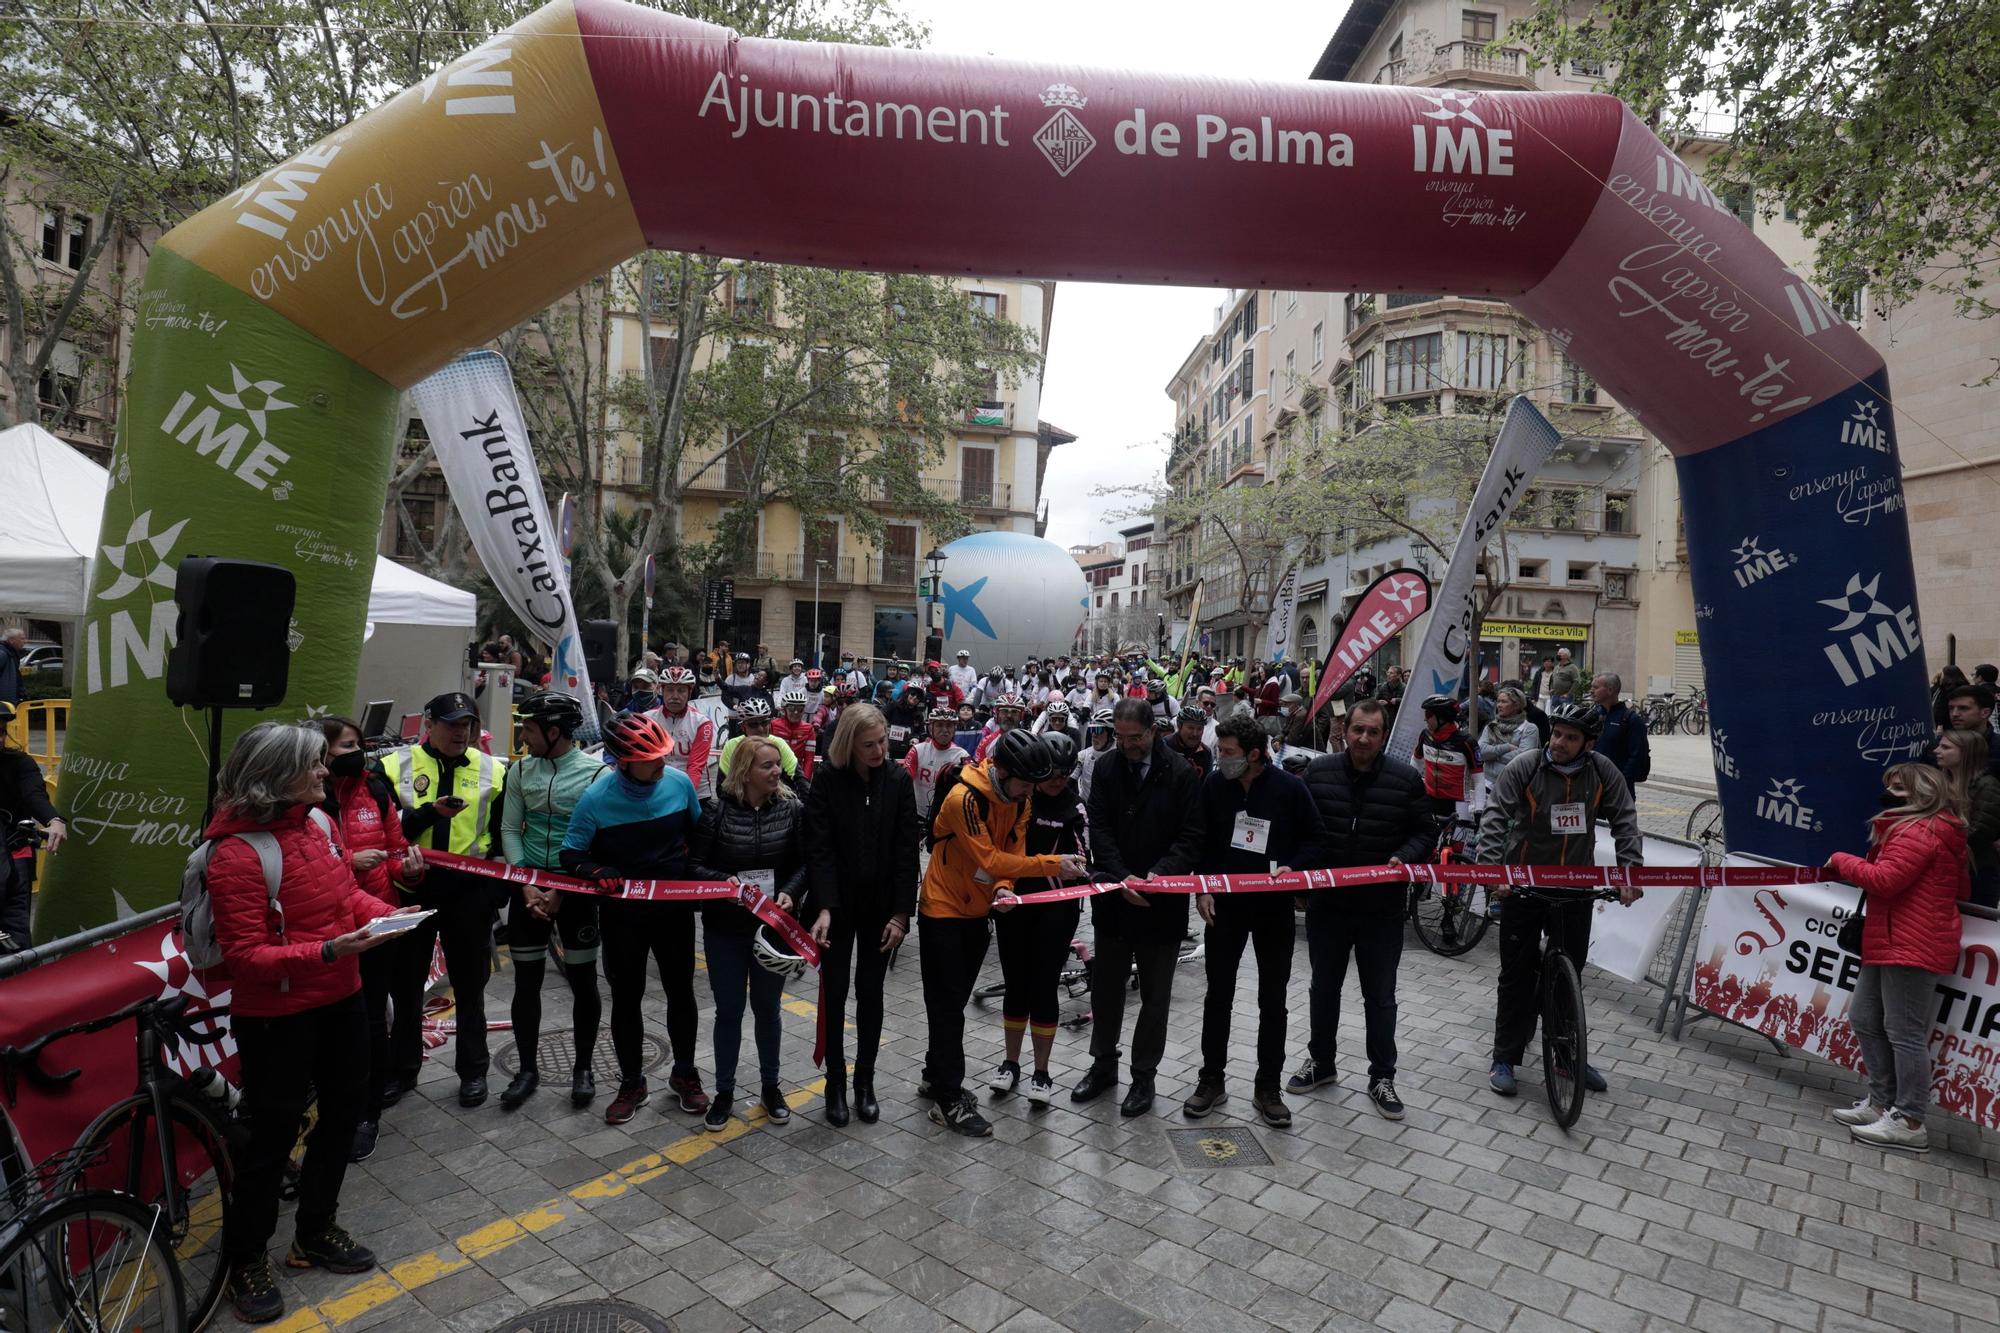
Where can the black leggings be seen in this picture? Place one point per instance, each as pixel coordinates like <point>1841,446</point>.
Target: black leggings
<point>527,943</point>
<point>1034,943</point>
<point>853,951</point>
<point>665,933</point>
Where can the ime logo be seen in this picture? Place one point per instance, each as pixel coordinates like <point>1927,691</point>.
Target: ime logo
<point>1785,804</point>
<point>1864,428</point>
<point>1754,563</point>
<point>1872,635</point>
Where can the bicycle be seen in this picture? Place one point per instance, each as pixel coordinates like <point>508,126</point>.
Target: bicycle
<point>1704,828</point>
<point>1074,980</point>
<point>92,1260</point>
<point>1564,1023</point>
<point>1451,919</point>
<point>162,1144</point>
<point>1668,713</point>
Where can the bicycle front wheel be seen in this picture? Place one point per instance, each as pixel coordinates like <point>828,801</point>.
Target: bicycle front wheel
<point>1449,918</point>
<point>1564,1043</point>
<point>121,1150</point>
<point>89,1260</point>
<point>1695,722</point>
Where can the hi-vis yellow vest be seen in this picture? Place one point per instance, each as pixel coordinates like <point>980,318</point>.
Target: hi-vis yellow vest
<point>415,775</point>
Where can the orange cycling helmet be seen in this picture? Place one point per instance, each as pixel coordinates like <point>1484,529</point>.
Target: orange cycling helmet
<point>637,738</point>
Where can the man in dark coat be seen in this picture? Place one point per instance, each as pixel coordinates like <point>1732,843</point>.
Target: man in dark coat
<point>1622,739</point>
<point>1372,811</point>
<point>1145,819</point>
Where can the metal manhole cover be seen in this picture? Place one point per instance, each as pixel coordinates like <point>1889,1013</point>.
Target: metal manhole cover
<point>557,1049</point>
<point>1207,1149</point>
<point>586,1317</point>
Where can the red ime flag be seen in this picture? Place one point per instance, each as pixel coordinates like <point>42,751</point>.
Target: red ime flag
<point>1389,605</point>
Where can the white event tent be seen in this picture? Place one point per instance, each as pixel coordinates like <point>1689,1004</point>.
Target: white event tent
<point>52,498</point>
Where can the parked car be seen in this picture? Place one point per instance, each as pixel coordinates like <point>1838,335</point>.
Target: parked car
<point>41,655</point>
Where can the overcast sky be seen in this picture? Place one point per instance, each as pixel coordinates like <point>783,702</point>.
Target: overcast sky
<point>1113,348</point>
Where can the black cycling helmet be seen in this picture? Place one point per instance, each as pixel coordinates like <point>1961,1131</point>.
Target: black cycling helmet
<point>553,709</point>
<point>1441,703</point>
<point>1062,751</point>
<point>1586,718</point>
<point>1024,755</point>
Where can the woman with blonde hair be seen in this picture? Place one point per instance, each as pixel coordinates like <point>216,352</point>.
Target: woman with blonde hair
<point>1912,880</point>
<point>754,833</point>
<point>861,869</point>
<point>1961,755</point>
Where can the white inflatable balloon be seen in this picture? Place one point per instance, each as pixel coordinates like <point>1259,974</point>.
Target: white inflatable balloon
<point>1008,597</point>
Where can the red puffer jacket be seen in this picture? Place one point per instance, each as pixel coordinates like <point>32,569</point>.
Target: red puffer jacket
<point>1914,876</point>
<point>363,828</point>
<point>320,900</point>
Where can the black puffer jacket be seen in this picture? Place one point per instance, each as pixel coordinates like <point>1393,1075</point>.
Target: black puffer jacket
<point>1151,827</point>
<point>1366,817</point>
<point>861,842</point>
<point>733,838</point>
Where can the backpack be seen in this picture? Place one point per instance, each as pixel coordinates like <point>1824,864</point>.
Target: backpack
<point>198,912</point>
<point>950,778</point>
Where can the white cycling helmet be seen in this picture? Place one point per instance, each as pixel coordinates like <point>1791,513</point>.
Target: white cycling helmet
<point>787,698</point>
<point>773,955</point>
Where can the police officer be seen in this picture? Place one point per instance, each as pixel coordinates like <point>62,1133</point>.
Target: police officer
<point>450,795</point>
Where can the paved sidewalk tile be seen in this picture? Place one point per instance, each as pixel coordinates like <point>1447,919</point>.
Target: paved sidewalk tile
<point>1707,1189</point>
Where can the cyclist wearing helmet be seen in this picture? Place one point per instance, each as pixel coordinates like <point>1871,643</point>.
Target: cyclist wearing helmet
<point>635,825</point>
<point>1008,714</point>
<point>1186,738</point>
<point>979,847</point>
<point>1056,721</point>
<point>1544,811</point>
<point>905,714</point>
<point>753,718</point>
<point>542,787</point>
<point>693,734</point>
<point>1034,944</point>
<point>792,727</point>
<point>1099,736</point>
<point>756,835</point>
<point>1448,758</point>
<point>933,755</point>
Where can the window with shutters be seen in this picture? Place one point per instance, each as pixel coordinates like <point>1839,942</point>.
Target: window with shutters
<point>1478,26</point>
<point>1248,376</point>
<point>1574,383</point>
<point>975,473</point>
<point>1361,389</point>
<point>1483,361</point>
<point>1618,512</point>
<point>822,541</point>
<point>1413,365</point>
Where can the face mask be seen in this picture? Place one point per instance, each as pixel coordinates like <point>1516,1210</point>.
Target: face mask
<point>1233,768</point>
<point>1890,800</point>
<point>349,765</point>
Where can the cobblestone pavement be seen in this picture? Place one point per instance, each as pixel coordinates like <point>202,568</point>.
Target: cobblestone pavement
<point>1708,1190</point>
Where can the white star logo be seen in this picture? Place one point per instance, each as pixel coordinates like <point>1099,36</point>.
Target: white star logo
<point>142,567</point>
<point>173,964</point>
<point>1845,603</point>
<point>1718,739</point>
<point>265,396</point>
<point>1452,105</point>
<point>1788,790</point>
<point>1866,410</point>
<point>1747,550</point>
<point>1403,592</point>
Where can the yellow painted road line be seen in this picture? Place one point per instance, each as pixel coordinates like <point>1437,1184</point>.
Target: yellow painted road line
<point>408,1275</point>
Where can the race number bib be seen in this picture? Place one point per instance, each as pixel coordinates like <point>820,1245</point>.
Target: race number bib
<point>1569,817</point>
<point>899,733</point>
<point>767,880</point>
<point>1250,834</point>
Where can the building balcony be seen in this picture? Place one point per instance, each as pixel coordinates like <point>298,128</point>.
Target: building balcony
<point>1476,60</point>
<point>1395,71</point>
<point>994,416</point>
<point>794,567</point>
<point>712,475</point>
<point>891,571</point>
<point>972,492</point>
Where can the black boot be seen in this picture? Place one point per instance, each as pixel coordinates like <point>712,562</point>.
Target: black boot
<point>521,1088</point>
<point>865,1105</point>
<point>836,1102</point>
<point>582,1086</point>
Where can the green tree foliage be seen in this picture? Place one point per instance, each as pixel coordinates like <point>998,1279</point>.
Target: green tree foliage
<point>134,116</point>
<point>1874,120</point>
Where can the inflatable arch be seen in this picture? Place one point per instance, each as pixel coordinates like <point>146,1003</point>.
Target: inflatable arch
<point>277,329</point>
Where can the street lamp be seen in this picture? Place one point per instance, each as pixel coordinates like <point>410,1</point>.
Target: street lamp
<point>934,631</point>
<point>818,565</point>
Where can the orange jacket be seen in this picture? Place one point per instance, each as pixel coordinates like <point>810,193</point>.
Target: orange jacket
<point>981,842</point>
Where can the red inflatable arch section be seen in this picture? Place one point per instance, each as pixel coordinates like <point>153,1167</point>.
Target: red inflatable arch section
<point>594,128</point>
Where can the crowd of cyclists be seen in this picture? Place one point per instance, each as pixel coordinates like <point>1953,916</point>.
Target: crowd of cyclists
<point>927,802</point>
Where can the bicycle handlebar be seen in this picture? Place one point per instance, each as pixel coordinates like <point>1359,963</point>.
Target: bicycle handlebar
<point>167,1017</point>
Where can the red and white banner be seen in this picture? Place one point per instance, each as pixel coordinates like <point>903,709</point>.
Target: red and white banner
<point>1383,612</point>
<point>1768,960</point>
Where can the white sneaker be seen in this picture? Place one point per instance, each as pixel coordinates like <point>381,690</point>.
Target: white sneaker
<point>1041,1090</point>
<point>1005,1078</point>
<point>1863,1112</point>
<point>1895,1130</point>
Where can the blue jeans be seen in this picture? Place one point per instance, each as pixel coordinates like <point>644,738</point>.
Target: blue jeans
<point>732,970</point>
